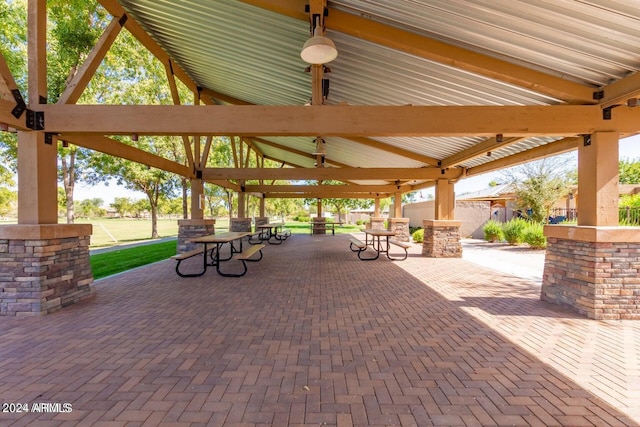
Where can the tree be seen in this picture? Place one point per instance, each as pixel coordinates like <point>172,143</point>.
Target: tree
<point>122,205</point>
<point>539,184</point>
<point>629,171</point>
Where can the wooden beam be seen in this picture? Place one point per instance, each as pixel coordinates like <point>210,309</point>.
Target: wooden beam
<point>395,150</point>
<point>222,97</point>
<point>37,55</point>
<point>114,8</point>
<point>118,149</point>
<point>338,174</point>
<point>6,107</point>
<point>480,149</point>
<point>434,50</point>
<point>345,189</point>
<point>7,82</point>
<point>561,146</point>
<point>618,92</point>
<point>82,78</point>
<point>344,121</point>
<point>324,194</point>
<point>175,95</point>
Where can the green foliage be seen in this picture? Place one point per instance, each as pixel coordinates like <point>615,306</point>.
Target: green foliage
<point>538,185</point>
<point>533,235</point>
<point>8,200</point>
<point>629,171</point>
<point>513,230</point>
<point>493,231</point>
<point>418,235</point>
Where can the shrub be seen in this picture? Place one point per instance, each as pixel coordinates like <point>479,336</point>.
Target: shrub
<point>493,231</point>
<point>513,230</point>
<point>533,235</point>
<point>418,235</point>
<point>303,219</point>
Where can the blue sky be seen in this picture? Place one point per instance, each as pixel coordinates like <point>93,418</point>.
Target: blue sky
<point>629,149</point>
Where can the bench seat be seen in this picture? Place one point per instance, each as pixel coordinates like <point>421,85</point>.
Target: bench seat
<point>403,245</point>
<point>186,255</point>
<point>249,252</point>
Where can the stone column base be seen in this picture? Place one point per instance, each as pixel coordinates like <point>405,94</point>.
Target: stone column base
<point>401,227</point>
<point>318,225</point>
<point>240,224</point>
<point>442,239</point>
<point>377,223</point>
<point>44,268</point>
<point>595,271</point>
<point>260,220</point>
<point>192,228</point>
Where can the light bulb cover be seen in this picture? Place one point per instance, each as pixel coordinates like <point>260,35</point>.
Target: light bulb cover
<point>319,50</point>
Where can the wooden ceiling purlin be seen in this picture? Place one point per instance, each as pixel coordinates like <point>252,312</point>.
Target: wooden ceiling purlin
<point>562,146</point>
<point>480,149</point>
<point>118,149</point>
<point>434,50</point>
<point>343,121</point>
<point>338,174</point>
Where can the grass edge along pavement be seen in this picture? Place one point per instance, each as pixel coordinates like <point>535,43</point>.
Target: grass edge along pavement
<point>119,260</point>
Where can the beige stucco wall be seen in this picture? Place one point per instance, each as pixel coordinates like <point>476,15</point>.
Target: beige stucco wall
<point>473,215</point>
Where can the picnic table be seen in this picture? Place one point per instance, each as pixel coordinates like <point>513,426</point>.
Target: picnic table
<point>316,226</point>
<point>272,233</point>
<point>377,244</point>
<point>214,253</point>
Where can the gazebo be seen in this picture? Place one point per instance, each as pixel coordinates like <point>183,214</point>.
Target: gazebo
<point>420,95</point>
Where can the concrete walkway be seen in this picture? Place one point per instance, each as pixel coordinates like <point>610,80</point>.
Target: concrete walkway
<point>313,336</point>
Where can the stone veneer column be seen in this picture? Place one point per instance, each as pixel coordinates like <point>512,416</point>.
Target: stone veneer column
<point>192,228</point>
<point>240,224</point>
<point>318,225</point>
<point>593,270</point>
<point>377,223</point>
<point>44,268</point>
<point>442,238</point>
<point>401,228</point>
<point>260,220</point>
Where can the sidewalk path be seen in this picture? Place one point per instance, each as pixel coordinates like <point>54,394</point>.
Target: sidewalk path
<point>519,261</point>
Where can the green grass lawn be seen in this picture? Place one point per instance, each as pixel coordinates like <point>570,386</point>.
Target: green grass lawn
<point>108,263</point>
<point>117,261</point>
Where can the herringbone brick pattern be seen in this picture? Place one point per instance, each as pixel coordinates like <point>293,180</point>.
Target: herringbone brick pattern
<point>313,336</point>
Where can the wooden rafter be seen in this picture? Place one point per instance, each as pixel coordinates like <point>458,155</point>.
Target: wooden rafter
<point>173,88</point>
<point>481,149</point>
<point>621,90</point>
<point>81,79</point>
<point>114,8</point>
<point>561,146</point>
<point>118,149</point>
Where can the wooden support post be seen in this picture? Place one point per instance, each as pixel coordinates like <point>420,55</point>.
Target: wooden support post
<point>445,202</point>
<point>598,179</point>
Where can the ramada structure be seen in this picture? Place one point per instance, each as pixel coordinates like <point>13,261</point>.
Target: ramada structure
<point>421,94</point>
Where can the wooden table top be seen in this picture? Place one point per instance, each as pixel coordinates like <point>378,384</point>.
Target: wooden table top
<point>221,237</point>
<point>377,232</point>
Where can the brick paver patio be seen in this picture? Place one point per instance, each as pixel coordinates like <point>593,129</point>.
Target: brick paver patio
<point>313,336</point>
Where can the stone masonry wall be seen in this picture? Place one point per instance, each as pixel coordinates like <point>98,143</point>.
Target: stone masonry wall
<point>40,276</point>
<point>599,280</point>
<point>191,228</point>
<point>442,239</point>
<point>401,227</point>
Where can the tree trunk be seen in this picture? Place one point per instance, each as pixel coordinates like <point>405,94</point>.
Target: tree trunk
<point>69,180</point>
<point>185,193</point>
